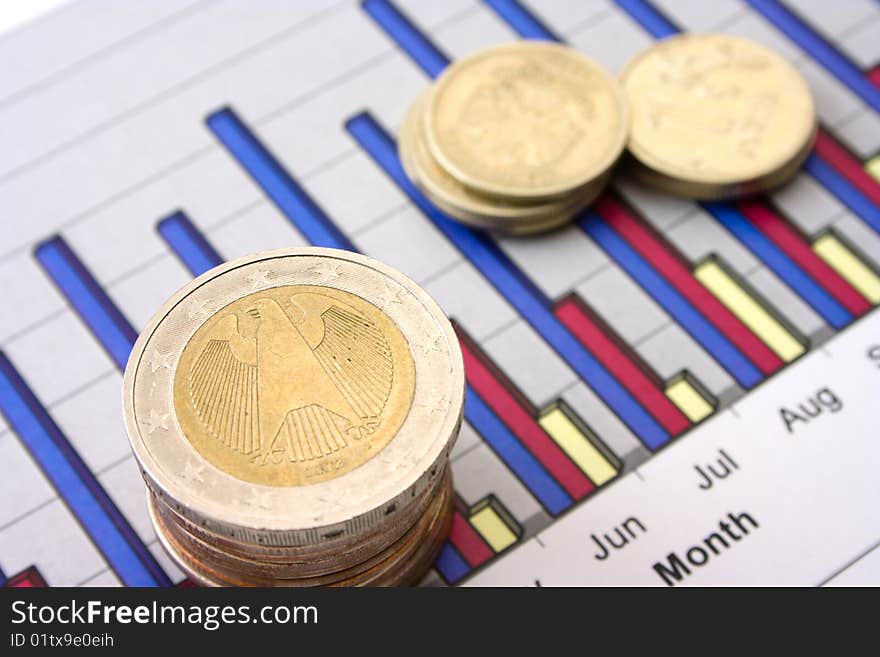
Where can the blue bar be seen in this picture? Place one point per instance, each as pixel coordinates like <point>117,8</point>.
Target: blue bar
<point>528,26</point>
<point>520,461</point>
<point>843,189</point>
<point>649,18</point>
<point>3,578</point>
<point>783,266</point>
<point>88,299</point>
<point>522,20</point>
<point>451,564</point>
<point>75,483</point>
<point>276,182</point>
<point>504,275</point>
<point>424,53</point>
<point>314,223</point>
<point>819,49</point>
<point>194,251</point>
<point>712,340</point>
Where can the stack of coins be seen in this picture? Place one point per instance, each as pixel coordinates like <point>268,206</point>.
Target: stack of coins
<point>716,117</point>
<point>292,413</point>
<point>517,138</point>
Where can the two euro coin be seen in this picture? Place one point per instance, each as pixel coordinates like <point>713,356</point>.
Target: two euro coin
<point>292,413</point>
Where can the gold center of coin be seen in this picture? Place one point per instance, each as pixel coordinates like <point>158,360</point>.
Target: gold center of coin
<point>526,119</point>
<point>716,108</point>
<point>294,385</point>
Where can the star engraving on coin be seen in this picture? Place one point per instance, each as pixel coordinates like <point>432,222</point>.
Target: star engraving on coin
<point>259,278</point>
<point>325,270</point>
<point>192,472</point>
<point>438,407</point>
<point>429,345</point>
<point>155,421</point>
<point>388,296</point>
<point>160,359</point>
<point>199,309</point>
<point>257,499</point>
<point>261,499</point>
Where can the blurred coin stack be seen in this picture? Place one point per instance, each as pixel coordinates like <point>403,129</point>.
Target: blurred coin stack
<point>369,552</point>
<point>292,413</point>
<point>517,138</point>
<point>716,116</point>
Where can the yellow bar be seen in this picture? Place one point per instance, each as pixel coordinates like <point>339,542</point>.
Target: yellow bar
<point>749,311</point>
<point>493,528</point>
<point>689,400</point>
<point>578,446</point>
<point>847,264</point>
<point>873,167</point>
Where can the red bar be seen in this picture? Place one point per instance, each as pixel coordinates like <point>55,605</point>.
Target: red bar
<point>874,76</point>
<point>521,423</point>
<point>468,542</point>
<point>571,313</point>
<point>655,252</point>
<point>787,239</point>
<point>847,165</point>
<point>30,578</point>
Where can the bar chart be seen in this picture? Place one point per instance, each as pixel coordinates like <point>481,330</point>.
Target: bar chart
<point>592,355</point>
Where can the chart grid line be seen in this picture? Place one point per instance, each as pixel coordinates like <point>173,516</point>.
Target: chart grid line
<point>76,485</point>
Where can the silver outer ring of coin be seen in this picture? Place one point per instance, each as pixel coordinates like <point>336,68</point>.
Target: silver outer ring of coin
<point>295,514</point>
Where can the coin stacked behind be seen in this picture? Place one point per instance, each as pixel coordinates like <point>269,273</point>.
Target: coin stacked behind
<point>292,413</point>
<point>716,116</point>
<point>517,138</point>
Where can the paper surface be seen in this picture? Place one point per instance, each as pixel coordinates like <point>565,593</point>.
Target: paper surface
<point>590,362</point>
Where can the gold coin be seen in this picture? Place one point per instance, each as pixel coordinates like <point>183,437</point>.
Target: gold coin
<point>716,115</point>
<point>293,385</point>
<point>294,396</point>
<point>454,197</point>
<point>526,121</point>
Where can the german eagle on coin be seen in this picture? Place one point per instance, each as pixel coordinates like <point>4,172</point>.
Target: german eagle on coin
<point>292,381</point>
